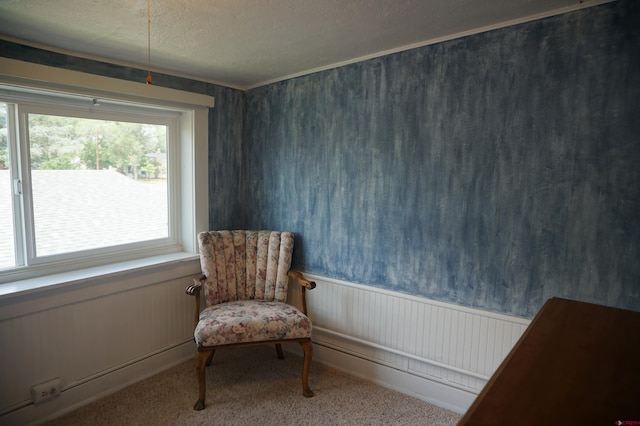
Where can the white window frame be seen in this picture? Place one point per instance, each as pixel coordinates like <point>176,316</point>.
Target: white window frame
<point>191,151</point>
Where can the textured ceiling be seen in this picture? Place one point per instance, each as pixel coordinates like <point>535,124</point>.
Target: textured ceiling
<point>247,43</point>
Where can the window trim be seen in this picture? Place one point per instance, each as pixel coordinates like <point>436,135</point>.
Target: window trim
<point>193,157</point>
<point>75,82</point>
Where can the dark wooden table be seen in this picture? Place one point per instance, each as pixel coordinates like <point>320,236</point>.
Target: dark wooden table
<point>576,364</point>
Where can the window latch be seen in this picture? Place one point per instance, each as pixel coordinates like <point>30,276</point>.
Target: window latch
<point>17,187</point>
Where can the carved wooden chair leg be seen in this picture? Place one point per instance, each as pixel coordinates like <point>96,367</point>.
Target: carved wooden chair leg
<point>279,350</point>
<point>308,352</point>
<point>201,365</point>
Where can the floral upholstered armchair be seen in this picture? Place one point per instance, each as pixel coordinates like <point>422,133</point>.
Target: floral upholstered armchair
<point>245,283</point>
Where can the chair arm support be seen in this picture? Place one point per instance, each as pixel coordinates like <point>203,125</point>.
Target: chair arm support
<point>305,284</point>
<point>194,290</point>
<point>302,280</point>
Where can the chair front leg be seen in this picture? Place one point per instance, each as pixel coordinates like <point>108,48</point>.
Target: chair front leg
<point>308,352</point>
<point>201,365</point>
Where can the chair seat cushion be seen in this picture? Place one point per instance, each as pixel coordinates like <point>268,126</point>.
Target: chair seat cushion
<point>245,321</point>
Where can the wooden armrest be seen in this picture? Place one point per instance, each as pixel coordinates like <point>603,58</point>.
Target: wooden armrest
<point>305,284</point>
<point>302,280</point>
<point>194,289</point>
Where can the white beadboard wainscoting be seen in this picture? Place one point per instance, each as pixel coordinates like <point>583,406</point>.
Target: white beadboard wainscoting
<point>101,333</point>
<point>439,352</point>
<point>97,334</point>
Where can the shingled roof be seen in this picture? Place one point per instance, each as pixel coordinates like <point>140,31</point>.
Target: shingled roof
<point>83,209</point>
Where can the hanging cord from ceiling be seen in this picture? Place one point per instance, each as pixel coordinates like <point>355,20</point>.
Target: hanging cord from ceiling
<point>149,78</point>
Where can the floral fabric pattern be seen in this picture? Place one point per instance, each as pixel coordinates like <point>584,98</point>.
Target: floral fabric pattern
<point>246,289</point>
<point>250,321</point>
<point>245,265</point>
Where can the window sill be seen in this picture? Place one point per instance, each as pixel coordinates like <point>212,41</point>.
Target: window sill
<point>95,282</point>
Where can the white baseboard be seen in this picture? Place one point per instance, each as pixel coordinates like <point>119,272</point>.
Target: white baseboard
<point>439,394</point>
<point>435,393</point>
<point>99,387</point>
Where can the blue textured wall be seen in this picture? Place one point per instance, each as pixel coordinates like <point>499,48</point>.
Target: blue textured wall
<point>227,208</point>
<point>492,171</point>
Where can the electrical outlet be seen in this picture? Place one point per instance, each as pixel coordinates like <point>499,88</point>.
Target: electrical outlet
<point>45,390</point>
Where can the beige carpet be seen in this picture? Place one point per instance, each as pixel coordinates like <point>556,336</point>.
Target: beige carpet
<point>250,386</point>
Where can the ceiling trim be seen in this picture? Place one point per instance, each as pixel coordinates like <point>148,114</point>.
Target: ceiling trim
<point>579,4</point>
<point>582,4</point>
<point>112,61</point>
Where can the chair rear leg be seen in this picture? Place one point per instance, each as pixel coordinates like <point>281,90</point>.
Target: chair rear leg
<point>210,358</point>
<point>201,364</point>
<point>308,353</point>
<point>279,351</point>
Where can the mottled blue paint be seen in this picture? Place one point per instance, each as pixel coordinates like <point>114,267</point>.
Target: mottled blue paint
<point>228,209</point>
<point>491,171</point>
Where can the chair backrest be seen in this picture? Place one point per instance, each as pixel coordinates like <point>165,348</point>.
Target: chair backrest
<point>245,265</point>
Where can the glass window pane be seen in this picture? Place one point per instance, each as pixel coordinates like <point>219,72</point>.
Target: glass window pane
<point>96,183</point>
<point>7,253</point>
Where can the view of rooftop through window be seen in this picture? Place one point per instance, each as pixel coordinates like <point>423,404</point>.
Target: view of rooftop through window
<point>94,183</point>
